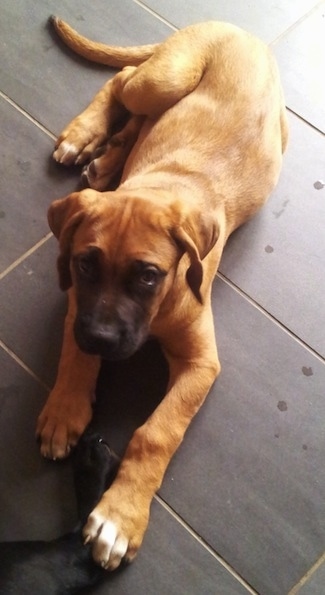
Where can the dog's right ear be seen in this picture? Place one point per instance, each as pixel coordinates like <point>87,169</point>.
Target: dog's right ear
<point>64,216</point>
<point>196,234</point>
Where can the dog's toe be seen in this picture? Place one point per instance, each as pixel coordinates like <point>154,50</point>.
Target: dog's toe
<point>92,178</point>
<point>88,175</point>
<point>66,153</point>
<point>109,548</point>
<point>117,553</point>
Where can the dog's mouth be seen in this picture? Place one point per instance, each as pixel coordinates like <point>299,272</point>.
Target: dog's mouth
<point>109,341</point>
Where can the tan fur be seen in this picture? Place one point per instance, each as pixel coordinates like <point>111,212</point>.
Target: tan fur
<point>101,53</point>
<point>199,154</point>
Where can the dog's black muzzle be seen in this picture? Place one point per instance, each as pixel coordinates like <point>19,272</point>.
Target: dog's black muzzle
<point>111,340</point>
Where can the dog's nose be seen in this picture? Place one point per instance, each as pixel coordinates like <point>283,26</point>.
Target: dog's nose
<point>98,338</point>
<point>102,339</point>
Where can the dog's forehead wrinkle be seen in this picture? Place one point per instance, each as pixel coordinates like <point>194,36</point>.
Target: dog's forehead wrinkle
<point>127,234</point>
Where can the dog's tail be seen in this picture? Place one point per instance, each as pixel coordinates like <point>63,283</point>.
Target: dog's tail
<point>110,55</point>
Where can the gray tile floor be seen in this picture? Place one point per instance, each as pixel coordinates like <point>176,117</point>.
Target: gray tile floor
<point>242,507</point>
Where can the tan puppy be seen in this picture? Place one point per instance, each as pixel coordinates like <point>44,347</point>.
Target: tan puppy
<point>200,151</point>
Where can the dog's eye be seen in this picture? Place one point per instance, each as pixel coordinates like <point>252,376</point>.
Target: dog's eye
<point>149,277</point>
<point>144,277</point>
<point>86,267</point>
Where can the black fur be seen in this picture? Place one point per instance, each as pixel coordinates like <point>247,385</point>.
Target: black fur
<point>62,566</point>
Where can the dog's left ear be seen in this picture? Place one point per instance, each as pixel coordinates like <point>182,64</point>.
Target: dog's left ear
<point>196,235</point>
<point>64,216</point>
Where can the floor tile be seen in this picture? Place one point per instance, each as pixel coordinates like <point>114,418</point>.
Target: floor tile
<point>301,57</point>
<point>262,18</point>
<point>32,312</point>
<point>29,180</point>
<point>31,325</point>
<point>36,496</point>
<point>51,83</point>
<point>249,476</point>
<point>315,584</point>
<point>171,561</point>
<point>128,392</point>
<point>278,258</point>
<point>37,502</point>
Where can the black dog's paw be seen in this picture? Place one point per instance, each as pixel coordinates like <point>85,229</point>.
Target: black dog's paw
<point>94,469</point>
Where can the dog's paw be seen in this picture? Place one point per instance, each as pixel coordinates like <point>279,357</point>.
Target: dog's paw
<point>116,528</point>
<point>66,152</point>
<point>91,178</point>
<point>61,423</point>
<point>110,546</point>
<point>103,171</point>
<point>77,143</point>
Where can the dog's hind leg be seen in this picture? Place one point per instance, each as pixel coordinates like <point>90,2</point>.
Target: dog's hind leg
<point>172,72</point>
<point>90,129</point>
<point>105,170</point>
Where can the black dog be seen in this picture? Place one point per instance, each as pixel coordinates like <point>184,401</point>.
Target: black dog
<point>62,566</point>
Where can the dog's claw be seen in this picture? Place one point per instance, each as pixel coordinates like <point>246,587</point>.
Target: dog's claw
<point>89,175</point>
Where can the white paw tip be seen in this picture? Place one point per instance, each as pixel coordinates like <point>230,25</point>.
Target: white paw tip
<point>108,533</point>
<point>65,150</point>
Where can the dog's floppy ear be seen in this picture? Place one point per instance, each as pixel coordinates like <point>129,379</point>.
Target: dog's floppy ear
<point>64,216</point>
<point>196,235</point>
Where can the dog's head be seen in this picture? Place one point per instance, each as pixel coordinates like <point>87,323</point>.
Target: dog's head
<point>121,254</point>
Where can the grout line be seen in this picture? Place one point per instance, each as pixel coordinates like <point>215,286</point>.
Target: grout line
<point>302,119</point>
<point>155,14</point>
<point>255,304</point>
<point>205,545</point>
<point>25,255</point>
<point>28,116</point>
<point>23,365</point>
<point>295,590</point>
<point>305,16</point>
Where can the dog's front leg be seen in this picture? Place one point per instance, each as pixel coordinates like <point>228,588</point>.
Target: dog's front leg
<point>118,523</point>
<point>68,409</point>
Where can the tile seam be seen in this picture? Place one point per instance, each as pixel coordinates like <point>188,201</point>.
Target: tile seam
<point>205,545</point>
<point>302,119</point>
<point>27,115</point>
<point>26,254</point>
<point>158,499</point>
<point>155,14</point>
<point>273,319</point>
<point>22,364</point>
<point>304,579</point>
<point>305,16</point>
